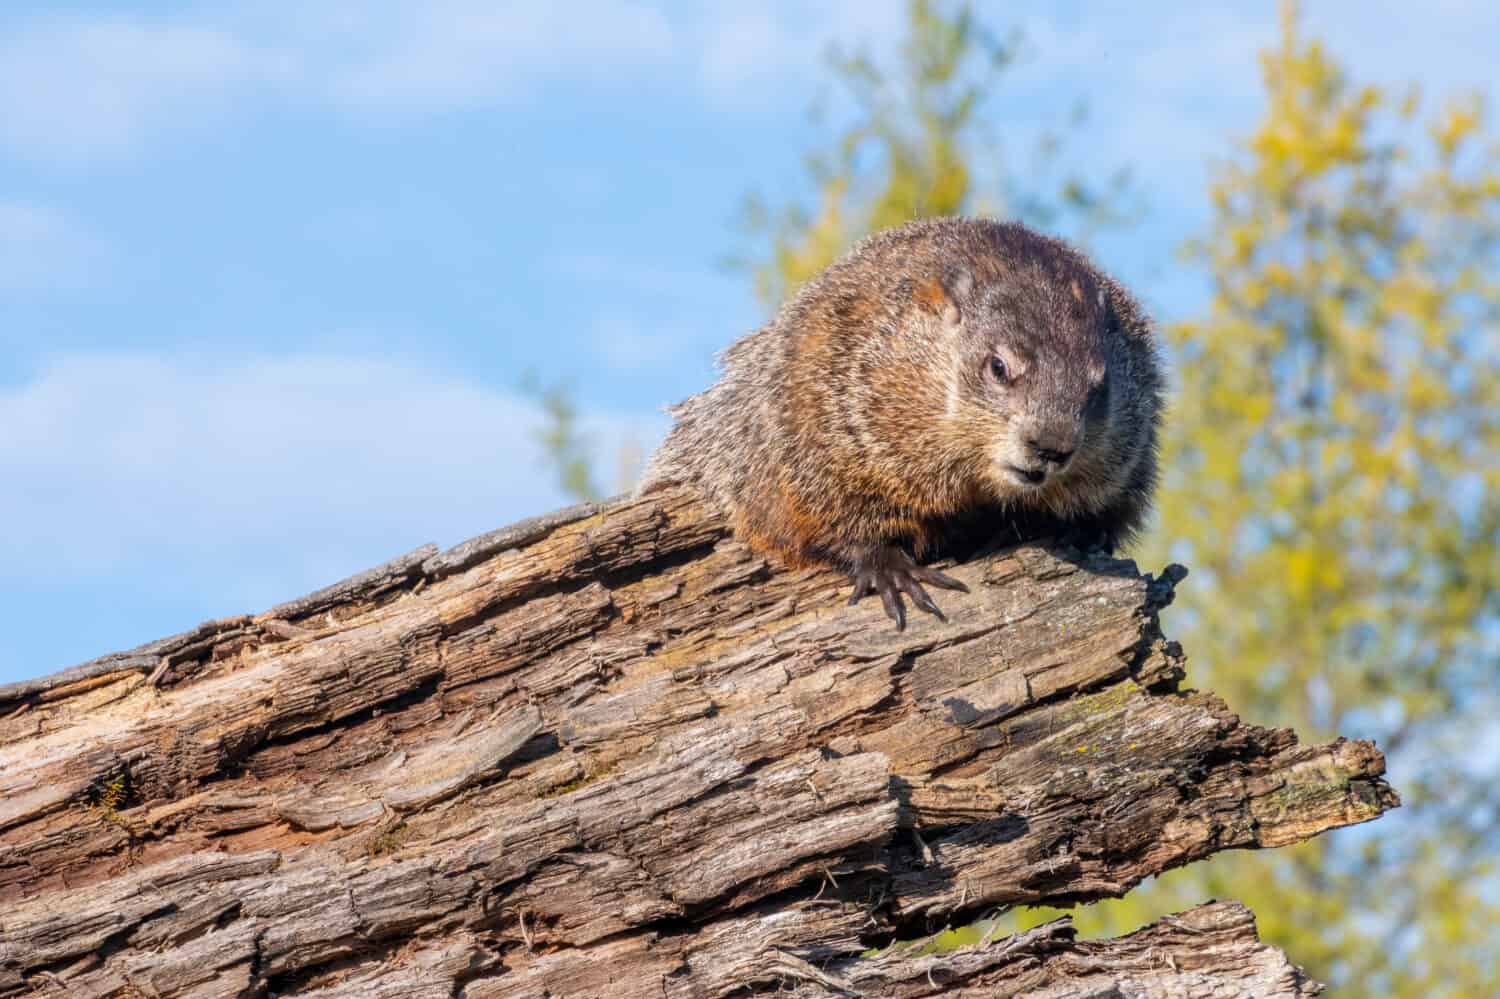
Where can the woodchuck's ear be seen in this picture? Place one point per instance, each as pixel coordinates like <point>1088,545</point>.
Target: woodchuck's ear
<point>948,295</point>
<point>958,283</point>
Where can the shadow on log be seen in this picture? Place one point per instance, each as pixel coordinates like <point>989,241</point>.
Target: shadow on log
<point>611,752</point>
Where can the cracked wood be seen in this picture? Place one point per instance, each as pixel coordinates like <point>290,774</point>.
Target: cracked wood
<point>610,751</point>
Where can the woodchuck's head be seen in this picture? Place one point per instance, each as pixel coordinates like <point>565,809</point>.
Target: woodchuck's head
<point>1056,385</point>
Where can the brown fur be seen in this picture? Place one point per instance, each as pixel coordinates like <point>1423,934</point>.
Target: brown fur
<point>868,413</point>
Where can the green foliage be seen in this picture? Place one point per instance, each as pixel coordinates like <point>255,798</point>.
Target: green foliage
<point>1331,472</point>
<point>108,796</point>
<point>389,840</point>
<point>1332,460</point>
<point>914,149</point>
<point>564,444</point>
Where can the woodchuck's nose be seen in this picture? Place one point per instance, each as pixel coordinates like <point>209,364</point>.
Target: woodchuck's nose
<point>1051,450</point>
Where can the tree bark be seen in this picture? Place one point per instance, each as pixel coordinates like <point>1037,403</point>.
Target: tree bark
<point>612,752</point>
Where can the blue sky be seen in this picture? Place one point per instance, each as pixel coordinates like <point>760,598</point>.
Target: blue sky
<point>271,272</point>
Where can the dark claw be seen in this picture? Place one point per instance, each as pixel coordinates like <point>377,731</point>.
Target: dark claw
<point>893,607</point>
<point>890,572</point>
<point>919,596</point>
<point>938,579</point>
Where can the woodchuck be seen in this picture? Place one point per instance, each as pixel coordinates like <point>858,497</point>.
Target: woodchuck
<point>940,368</point>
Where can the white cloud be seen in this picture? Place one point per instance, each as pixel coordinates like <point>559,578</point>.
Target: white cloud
<point>79,89</point>
<point>265,478</point>
<point>461,53</point>
<point>750,51</point>
<point>43,250</point>
<point>82,88</point>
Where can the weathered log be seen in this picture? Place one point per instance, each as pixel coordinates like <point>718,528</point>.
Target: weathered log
<point>611,751</point>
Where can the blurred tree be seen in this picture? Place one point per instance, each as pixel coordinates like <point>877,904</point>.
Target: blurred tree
<point>920,144</point>
<point>1331,472</point>
<point>565,447</point>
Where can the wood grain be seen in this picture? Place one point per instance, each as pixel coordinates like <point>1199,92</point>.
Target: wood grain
<point>612,752</point>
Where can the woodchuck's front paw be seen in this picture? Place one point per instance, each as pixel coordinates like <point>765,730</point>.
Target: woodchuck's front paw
<point>887,569</point>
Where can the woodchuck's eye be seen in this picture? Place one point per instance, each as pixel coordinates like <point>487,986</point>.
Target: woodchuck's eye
<point>998,370</point>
